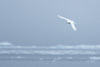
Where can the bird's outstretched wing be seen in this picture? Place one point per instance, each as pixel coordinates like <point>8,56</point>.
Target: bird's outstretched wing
<point>62,17</point>
<point>73,26</point>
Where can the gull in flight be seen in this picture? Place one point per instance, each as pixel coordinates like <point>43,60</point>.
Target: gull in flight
<point>69,22</point>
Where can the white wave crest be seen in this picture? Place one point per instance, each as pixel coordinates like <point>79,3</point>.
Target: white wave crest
<point>5,44</point>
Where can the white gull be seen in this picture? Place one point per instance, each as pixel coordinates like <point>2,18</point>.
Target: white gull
<point>69,22</point>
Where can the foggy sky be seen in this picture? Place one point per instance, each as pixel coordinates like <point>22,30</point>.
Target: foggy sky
<point>35,22</point>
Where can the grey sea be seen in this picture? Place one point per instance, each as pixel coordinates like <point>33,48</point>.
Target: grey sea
<point>49,56</point>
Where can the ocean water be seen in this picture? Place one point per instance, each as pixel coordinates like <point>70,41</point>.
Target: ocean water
<point>48,64</point>
<point>49,56</point>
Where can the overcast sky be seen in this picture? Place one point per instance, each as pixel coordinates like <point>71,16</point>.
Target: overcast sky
<point>35,22</point>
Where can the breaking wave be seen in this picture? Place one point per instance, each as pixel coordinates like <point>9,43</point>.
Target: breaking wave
<point>54,53</point>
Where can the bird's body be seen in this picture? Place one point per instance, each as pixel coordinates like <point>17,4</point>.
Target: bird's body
<point>69,22</point>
